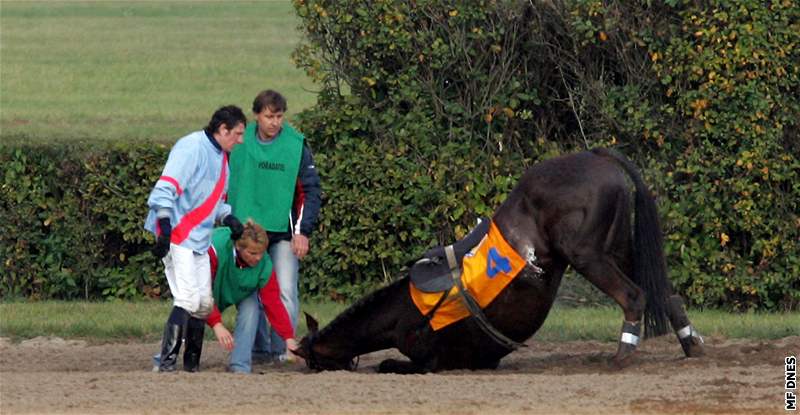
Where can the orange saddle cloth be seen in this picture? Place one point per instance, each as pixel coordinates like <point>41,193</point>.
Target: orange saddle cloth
<point>486,271</point>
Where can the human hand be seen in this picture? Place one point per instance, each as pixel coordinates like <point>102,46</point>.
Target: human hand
<point>299,245</point>
<point>223,336</point>
<point>236,227</point>
<point>161,248</point>
<point>291,348</point>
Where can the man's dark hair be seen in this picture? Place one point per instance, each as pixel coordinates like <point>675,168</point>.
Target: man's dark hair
<point>269,99</point>
<point>229,116</point>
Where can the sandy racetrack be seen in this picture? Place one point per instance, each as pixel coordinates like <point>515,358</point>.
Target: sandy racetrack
<point>736,377</point>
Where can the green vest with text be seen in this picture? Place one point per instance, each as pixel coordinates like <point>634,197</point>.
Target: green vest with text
<point>264,176</point>
<point>233,284</point>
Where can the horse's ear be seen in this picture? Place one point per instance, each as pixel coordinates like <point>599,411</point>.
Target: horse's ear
<point>311,323</point>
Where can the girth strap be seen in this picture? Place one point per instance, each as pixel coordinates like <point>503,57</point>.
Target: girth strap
<point>451,260</point>
<point>475,308</point>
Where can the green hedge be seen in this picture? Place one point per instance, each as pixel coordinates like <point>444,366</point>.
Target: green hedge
<point>430,111</point>
<point>71,222</point>
<point>462,96</point>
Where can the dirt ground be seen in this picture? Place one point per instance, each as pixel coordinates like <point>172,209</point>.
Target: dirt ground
<point>51,375</point>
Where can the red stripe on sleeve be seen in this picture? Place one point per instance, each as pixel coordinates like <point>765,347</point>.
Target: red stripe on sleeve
<point>174,182</point>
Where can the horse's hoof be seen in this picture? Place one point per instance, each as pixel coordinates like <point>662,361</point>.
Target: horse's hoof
<point>624,356</point>
<point>693,347</point>
<point>621,360</point>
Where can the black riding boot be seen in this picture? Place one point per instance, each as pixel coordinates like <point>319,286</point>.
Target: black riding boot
<point>195,329</point>
<point>173,337</point>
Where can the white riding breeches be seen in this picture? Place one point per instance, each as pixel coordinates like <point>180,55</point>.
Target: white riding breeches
<point>189,277</point>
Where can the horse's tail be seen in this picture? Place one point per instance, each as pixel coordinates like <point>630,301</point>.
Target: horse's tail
<point>649,266</point>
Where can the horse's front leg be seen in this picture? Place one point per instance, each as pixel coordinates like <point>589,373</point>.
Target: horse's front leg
<point>402,367</point>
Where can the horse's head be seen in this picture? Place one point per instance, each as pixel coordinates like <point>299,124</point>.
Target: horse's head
<point>319,354</point>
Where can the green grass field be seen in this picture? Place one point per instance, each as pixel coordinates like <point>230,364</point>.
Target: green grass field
<point>128,70</point>
<point>144,321</point>
<point>110,321</point>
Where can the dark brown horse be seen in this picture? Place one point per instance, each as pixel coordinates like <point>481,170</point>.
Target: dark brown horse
<point>574,211</point>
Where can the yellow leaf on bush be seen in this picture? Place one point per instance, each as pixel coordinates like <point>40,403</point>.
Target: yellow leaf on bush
<point>724,239</point>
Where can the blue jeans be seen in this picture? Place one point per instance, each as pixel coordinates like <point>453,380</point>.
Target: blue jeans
<point>286,268</point>
<point>248,336</point>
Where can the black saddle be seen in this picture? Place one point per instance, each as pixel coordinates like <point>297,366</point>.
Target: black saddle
<point>432,273</point>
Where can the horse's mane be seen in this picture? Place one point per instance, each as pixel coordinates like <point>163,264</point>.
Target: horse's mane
<point>380,295</point>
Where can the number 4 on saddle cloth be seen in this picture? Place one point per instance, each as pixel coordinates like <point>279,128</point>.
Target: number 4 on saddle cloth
<point>485,270</point>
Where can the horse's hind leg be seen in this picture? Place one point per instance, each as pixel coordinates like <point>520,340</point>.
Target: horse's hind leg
<point>602,271</point>
<point>588,250</point>
<point>690,339</point>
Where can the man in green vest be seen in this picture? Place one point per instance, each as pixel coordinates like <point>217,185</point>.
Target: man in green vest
<point>274,181</point>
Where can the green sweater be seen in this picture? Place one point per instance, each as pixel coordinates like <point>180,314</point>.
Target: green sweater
<point>264,177</point>
<point>233,284</point>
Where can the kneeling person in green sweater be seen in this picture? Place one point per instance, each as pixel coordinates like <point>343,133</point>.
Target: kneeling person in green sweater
<point>242,275</point>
